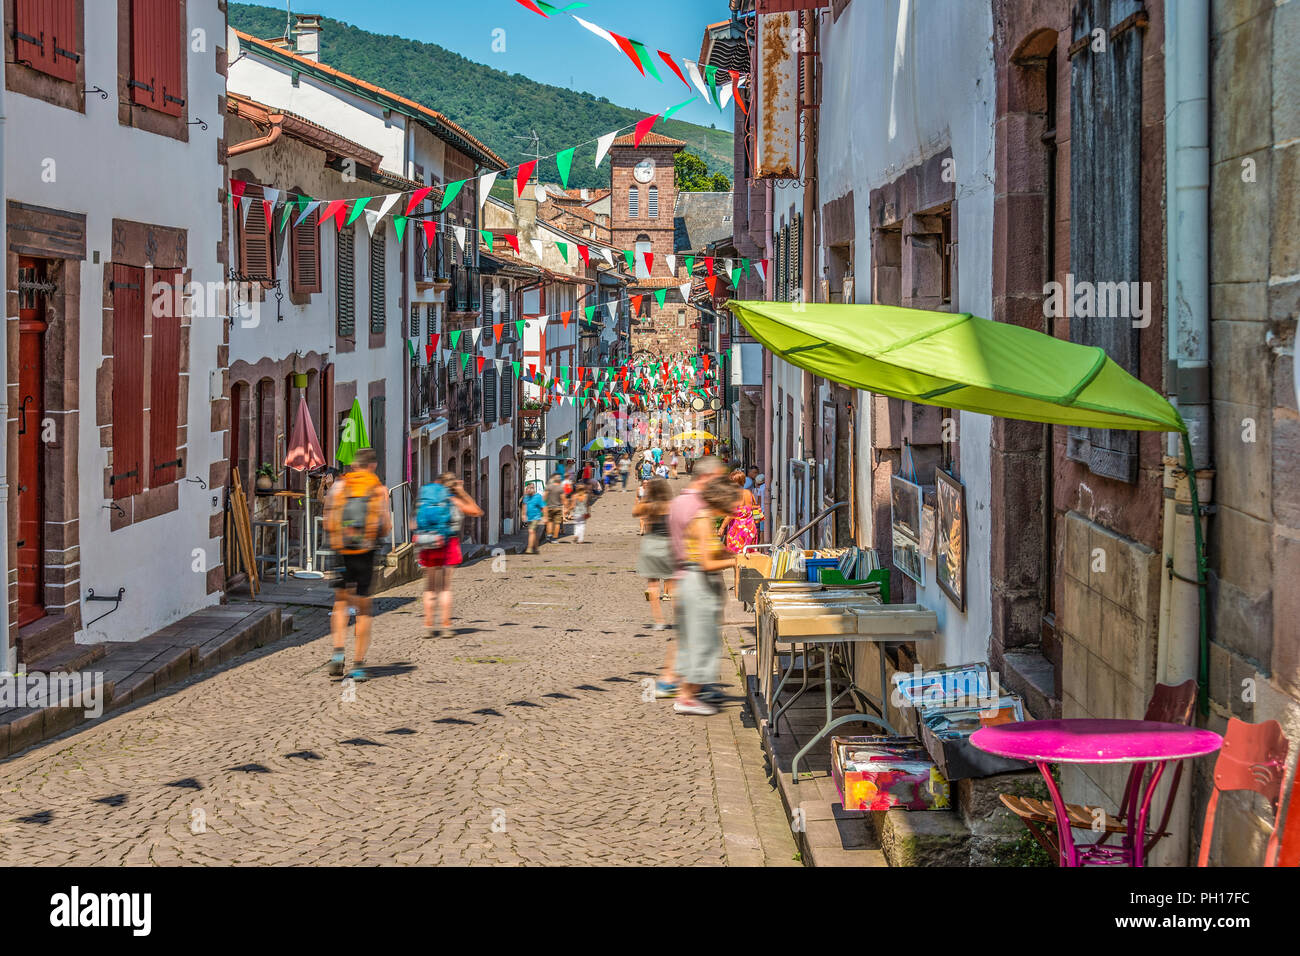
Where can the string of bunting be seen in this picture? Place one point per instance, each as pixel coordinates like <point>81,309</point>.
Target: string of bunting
<point>705,79</point>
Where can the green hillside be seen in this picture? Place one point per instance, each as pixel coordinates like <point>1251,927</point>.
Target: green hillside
<point>493,105</point>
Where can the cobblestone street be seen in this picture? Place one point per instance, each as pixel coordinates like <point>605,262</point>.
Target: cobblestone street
<point>524,739</point>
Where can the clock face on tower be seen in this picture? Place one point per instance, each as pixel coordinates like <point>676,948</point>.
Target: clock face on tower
<point>644,171</point>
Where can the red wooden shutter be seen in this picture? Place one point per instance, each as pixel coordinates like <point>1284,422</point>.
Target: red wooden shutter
<point>304,253</point>
<point>47,36</point>
<point>164,381</point>
<point>158,44</point>
<point>128,381</point>
<point>256,242</point>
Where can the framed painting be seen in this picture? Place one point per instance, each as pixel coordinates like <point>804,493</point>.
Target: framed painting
<point>950,538</point>
<point>905,510</point>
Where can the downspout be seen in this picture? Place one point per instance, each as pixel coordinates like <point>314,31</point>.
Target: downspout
<point>1182,650</point>
<point>248,145</point>
<point>4,403</point>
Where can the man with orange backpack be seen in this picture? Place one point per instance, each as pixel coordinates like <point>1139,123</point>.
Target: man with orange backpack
<point>357,519</point>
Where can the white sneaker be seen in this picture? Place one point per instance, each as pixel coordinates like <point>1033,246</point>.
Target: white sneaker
<point>696,707</point>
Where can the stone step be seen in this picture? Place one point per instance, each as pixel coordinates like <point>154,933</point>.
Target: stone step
<point>67,658</point>
<point>922,837</point>
<point>1032,676</point>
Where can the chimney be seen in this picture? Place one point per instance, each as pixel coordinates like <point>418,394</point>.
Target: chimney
<point>585,194</point>
<point>307,27</point>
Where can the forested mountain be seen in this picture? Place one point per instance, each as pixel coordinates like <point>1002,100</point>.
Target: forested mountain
<point>493,105</point>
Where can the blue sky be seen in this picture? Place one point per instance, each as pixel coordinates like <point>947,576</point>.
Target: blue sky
<point>556,50</point>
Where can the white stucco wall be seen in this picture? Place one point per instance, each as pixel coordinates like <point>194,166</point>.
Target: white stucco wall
<point>904,80</point>
<point>106,171</point>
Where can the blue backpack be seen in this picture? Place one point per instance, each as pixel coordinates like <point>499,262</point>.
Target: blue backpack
<point>433,510</point>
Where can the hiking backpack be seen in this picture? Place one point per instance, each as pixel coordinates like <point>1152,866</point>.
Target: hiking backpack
<point>433,510</point>
<point>356,525</point>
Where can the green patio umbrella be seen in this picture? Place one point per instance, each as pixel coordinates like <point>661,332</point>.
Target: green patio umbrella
<point>352,437</point>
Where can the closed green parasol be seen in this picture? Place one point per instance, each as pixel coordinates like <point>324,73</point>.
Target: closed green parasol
<point>352,436</point>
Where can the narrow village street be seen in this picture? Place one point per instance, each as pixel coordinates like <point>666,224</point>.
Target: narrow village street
<point>525,739</point>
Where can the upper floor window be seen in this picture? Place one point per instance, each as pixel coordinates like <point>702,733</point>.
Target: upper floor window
<point>378,281</point>
<point>47,36</point>
<point>652,203</point>
<point>633,201</point>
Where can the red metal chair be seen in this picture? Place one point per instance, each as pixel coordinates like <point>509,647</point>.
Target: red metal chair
<point>1170,704</point>
<point>1253,757</point>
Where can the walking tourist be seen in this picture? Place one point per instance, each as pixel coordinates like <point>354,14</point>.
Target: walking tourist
<point>740,528</point>
<point>554,507</point>
<point>440,511</point>
<point>579,511</point>
<point>624,467</point>
<point>680,514</point>
<point>655,562</point>
<point>534,507</point>
<point>357,518</point>
<point>699,599</point>
<point>672,464</point>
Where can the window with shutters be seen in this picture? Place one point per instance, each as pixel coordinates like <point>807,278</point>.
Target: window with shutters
<point>164,379</point>
<point>794,267</point>
<point>489,393</point>
<point>347,294</point>
<point>256,241</point>
<point>652,203</point>
<point>127,475</point>
<point>158,46</point>
<point>1105,179</point>
<point>378,281</point>
<point>633,201</point>
<point>507,392</point>
<point>47,36</point>
<point>378,433</point>
<point>304,254</point>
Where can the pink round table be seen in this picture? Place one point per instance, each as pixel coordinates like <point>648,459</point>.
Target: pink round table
<point>1098,741</point>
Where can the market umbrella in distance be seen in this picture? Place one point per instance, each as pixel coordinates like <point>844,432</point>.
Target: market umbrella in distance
<point>353,436</point>
<point>304,455</point>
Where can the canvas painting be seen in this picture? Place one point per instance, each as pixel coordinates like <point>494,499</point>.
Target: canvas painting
<point>950,550</point>
<point>905,508</point>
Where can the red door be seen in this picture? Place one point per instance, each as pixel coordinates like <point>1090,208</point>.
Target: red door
<point>31,471</point>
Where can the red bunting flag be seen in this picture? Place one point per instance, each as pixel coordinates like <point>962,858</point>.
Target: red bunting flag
<point>708,261</point>
<point>334,209</point>
<point>417,197</point>
<point>712,283</point>
<point>626,46</point>
<point>565,316</point>
<point>706,363</point>
<point>237,189</point>
<point>533,7</point>
<point>521,179</point>
<point>428,353</point>
<point>496,331</point>
<point>673,66</point>
<point>735,91</point>
<point>532,371</point>
<point>267,207</point>
<point>433,339</point>
<point>580,370</point>
<point>649,261</point>
<point>642,128</point>
<point>430,230</point>
<point>479,359</point>
<point>513,239</point>
<point>582,251</point>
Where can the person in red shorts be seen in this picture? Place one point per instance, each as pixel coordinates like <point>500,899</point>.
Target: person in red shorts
<point>438,561</point>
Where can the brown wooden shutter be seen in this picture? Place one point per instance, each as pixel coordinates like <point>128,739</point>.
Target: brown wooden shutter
<point>347,281</point>
<point>128,381</point>
<point>164,379</point>
<point>47,36</point>
<point>158,45</point>
<point>378,281</point>
<point>256,241</point>
<point>304,253</point>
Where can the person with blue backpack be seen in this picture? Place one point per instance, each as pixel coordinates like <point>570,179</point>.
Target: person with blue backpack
<point>440,508</point>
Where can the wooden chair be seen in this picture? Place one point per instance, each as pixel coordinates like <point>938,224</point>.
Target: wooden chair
<point>1253,757</point>
<point>1170,705</point>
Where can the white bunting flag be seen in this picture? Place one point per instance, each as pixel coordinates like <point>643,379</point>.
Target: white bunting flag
<point>271,195</point>
<point>474,333</point>
<point>306,211</point>
<point>485,183</point>
<point>724,94</point>
<point>245,204</point>
<point>761,270</point>
<point>537,248</point>
<point>372,220</point>
<point>685,290</point>
<point>731,264</point>
<point>603,34</point>
<point>612,305</point>
<point>697,79</point>
<point>604,143</point>
<point>389,201</point>
<point>460,236</point>
<point>608,255</point>
<point>671,260</point>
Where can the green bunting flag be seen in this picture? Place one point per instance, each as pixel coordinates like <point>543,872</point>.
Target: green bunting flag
<point>660,295</point>
<point>644,56</point>
<point>399,223</point>
<point>487,238</point>
<point>591,313</point>
<point>749,269</point>
<point>284,220</point>
<point>464,361</point>
<point>519,330</point>
<point>357,207</point>
<point>564,250</point>
<point>690,265</point>
<point>711,77</point>
<point>564,161</point>
<point>410,347</point>
<point>627,254</point>
<point>735,278</point>
<point>673,109</point>
<point>515,366</point>
<point>450,192</point>
<point>455,339</point>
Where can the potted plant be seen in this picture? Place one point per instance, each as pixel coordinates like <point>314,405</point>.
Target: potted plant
<point>266,476</point>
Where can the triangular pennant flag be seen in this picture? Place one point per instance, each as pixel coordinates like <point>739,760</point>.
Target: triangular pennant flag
<point>433,339</point>
<point>712,283</point>
<point>673,66</point>
<point>334,211</point>
<point>708,263</point>
<point>514,366</point>
<point>455,339</point>
<point>668,113</point>
<point>479,360</point>
<point>537,248</point>
<point>649,262</point>
<point>245,204</point>
<point>711,77</point>
<point>749,271</point>
<point>608,255</point>
<point>565,316</point>
<point>604,143</point>
<point>735,89</point>
<point>724,94</point>
<point>428,353</point>
<point>612,305</point>
<point>459,233</point>
<point>417,197</point>
<point>519,330</point>
<point>647,63</point>
<point>642,128</point>
<point>488,239</point>
<point>430,230</point>
<point>496,331</point>
<point>450,192</point>
<point>564,162</point>
<point>358,206</point>
<point>306,209</point>
<point>399,223</point>
<point>583,252</point>
<point>564,250</point>
<point>761,268</point>
<point>512,239</point>
<point>387,205</point>
<point>591,314</point>
<point>603,34</point>
<point>485,183</point>
<point>237,187</point>
<point>660,296</point>
<point>671,261</point>
<point>685,290</point>
<point>464,361</point>
<point>474,334</point>
<point>284,217</point>
<point>372,220</point>
<point>690,264</point>
<point>735,277</point>
<point>268,212</point>
<point>524,174</point>
<point>694,71</point>
<point>636,304</point>
<point>627,254</point>
<point>410,347</point>
<point>626,46</point>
